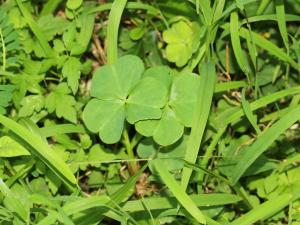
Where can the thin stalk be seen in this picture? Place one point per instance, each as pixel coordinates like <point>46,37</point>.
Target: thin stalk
<point>209,152</point>
<point>3,51</point>
<point>132,163</point>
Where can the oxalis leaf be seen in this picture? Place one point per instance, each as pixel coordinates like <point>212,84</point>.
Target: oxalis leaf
<point>182,41</point>
<point>178,111</point>
<point>120,92</point>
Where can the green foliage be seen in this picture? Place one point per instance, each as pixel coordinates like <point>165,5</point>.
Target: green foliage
<point>5,96</point>
<point>9,42</point>
<point>182,41</point>
<point>62,103</point>
<point>149,112</point>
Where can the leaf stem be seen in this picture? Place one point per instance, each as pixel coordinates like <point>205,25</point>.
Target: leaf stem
<point>209,151</point>
<point>132,163</point>
<point>3,51</point>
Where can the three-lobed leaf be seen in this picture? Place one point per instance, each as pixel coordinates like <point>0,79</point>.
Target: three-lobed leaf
<point>121,93</point>
<point>182,41</point>
<point>178,111</point>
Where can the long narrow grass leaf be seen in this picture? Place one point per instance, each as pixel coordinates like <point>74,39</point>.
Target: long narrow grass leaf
<point>178,191</point>
<point>263,142</point>
<point>280,13</point>
<point>236,43</point>
<point>205,94</point>
<point>264,210</point>
<point>113,29</point>
<point>41,150</point>
<point>249,114</point>
<point>235,114</point>
<point>36,30</point>
<point>154,203</point>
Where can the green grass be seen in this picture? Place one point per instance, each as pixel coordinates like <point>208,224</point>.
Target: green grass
<point>149,112</point>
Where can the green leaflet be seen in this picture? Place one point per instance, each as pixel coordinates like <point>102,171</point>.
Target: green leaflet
<point>62,103</point>
<point>182,41</point>
<point>11,148</point>
<point>74,4</point>
<point>72,70</point>
<point>106,117</point>
<point>5,96</point>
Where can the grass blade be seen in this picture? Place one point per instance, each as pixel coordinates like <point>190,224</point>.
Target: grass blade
<point>160,203</point>
<point>36,30</point>
<point>236,43</point>
<point>226,86</point>
<point>178,191</point>
<point>42,151</point>
<point>12,203</point>
<point>280,13</point>
<point>270,47</point>
<point>113,29</point>
<point>50,131</point>
<point>248,112</point>
<point>130,5</point>
<point>205,94</point>
<point>264,210</point>
<point>233,115</point>
<point>252,152</point>
<point>50,7</point>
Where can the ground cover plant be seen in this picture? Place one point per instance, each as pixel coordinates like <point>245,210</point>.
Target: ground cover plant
<point>150,112</point>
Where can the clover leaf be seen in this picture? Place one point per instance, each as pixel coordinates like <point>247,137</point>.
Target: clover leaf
<point>182,41</point>
<point>177,113</point>
<point>121,93</point>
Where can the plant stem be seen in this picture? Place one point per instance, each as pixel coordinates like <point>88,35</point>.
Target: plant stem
<point>132,164</point>
<point>208,153</point>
